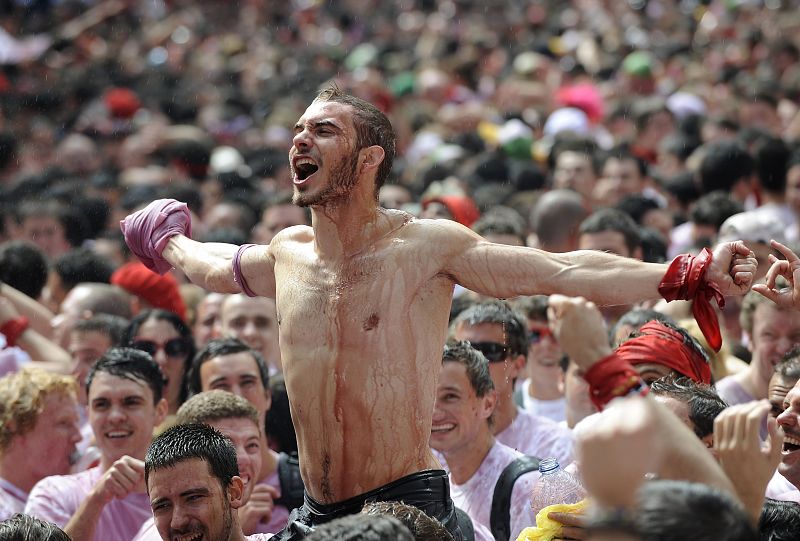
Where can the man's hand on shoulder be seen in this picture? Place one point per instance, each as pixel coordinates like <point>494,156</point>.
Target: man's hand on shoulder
<point>578,326</point>
<point>124,477</point>
<point>789,270</point>
<point>733,268</point>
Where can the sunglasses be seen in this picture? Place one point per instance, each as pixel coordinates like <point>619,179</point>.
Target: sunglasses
<point>537,335</point>
<point>493,351</point>
<point>174,347</point>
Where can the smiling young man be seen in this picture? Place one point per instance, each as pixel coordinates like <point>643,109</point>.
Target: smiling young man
<point>108,502</point>
<point>228,364</point>
<point>789,467</point>
<point>194,485</point>
<point>363,301</point>
<point>462,432</point>
<point>236,419</point>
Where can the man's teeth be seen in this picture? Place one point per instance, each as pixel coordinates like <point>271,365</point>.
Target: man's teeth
<point>305,161</point>
<point>189,537</point>
<point>443,428</point>
<point>118,434</point>
<point>791,441</point>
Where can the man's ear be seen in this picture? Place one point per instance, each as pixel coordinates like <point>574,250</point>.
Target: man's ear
<point>488,403</point>
<point>371,157</point>
<point>518,364</point>
<point>162,409</point>
<point>236,492</point>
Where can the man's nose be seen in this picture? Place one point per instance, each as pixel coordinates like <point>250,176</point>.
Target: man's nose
<point>300,140</point>
<point>787,418</point>
<point>179,518</point>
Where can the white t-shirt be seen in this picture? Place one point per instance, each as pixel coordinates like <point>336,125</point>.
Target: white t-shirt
<point>537,436</point>
<point>555,410</point>
<point>475,496</point>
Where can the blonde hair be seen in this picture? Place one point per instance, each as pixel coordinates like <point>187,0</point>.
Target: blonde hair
<point>214,405</point>
<point>716,359</point>
<point>22,398</point>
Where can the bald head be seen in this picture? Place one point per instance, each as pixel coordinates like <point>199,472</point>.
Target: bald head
<point>555,220</point>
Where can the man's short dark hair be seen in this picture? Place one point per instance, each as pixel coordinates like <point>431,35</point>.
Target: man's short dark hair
<point>474,362</point>
<point>615,220</point>
<point>789,365</point>
<point>193,441</point>
<point>679,510</point>
<point>703,402</point>
<point>220,347</point>
<point>23,266</point>
<point>637,206</point>
<point>779,520</point>
<point>422,526</point>
<point>82,265</point>
<point>112,326</point>
<point>501,313</point>
<point>725,163</point>
<point>131,364</point>
<point>623,153</point>
<point>361,527</point>
<point>533,307</point>
<point>501,222</point>
<point>372,128</point>
<point>76,226</point>
<point>714,208</point>
<point>27,528</point>
<point>772,162</point>
<point>638,317</point>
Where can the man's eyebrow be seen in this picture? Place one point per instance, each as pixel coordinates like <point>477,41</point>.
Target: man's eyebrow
<point>318,123</point>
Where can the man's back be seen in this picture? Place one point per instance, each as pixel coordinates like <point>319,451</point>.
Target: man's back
<point>361,340</point>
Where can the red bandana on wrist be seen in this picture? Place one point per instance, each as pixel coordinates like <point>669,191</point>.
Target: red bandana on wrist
<point>685,280</point>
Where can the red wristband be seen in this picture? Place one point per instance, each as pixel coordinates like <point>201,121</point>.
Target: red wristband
<point>685,279</point>
<point>612,377</point>
<point>13,329</point>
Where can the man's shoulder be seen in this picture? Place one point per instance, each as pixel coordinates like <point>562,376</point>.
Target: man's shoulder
<point>63,484</point>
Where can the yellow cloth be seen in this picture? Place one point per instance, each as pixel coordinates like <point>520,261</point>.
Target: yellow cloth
<point>546,528</point>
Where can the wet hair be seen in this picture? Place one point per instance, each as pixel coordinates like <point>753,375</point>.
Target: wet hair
<point>703,401</point>
<point>131,364</point>
<point>22,527</point>
<point>112,326</point>
<point>215,405</point>
<point>361,527</point>
<point>220,347</point>
<point>23,266</point>
<point>180,326</point>
<point>82,265</point>
<point>609,219</point>
<point>372,128</point>
<point>278,425</point>
<point>501,313</point>
<point>192,441</point>
<point>421,526</point>
<point>22,399</point>
<point>474,362</point>
<point>725,163</point>
<point>779,520</point>
<point>789,365</point>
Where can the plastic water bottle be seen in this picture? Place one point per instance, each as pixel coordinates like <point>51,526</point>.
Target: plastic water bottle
<point>555,486</point>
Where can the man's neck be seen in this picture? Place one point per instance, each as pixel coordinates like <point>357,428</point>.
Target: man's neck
<point>505,411</point>
<point>544,391</point>
<point>269,461</point>
<point>236,528</point>
<point>463,463</point>
<point>11,471</point>
<point>343,231</point>
<point>752,382</point>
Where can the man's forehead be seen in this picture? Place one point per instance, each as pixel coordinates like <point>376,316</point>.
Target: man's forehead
<point>240,363</point>
<point>112,384</point>
<point>333,111</point>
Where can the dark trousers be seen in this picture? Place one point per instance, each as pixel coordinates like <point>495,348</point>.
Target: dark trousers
<point>427,490</point>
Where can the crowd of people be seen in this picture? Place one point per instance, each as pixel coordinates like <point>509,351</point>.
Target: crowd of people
<point>474,255</point>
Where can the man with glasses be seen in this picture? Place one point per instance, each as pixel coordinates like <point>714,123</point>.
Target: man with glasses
<point>542,392</point>
<point>494,329</point>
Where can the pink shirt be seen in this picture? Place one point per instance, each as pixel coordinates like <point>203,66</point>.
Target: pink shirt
<point>780,488</point>
<point>538,436</point>
<point>12,499</point>
<point>280,514</point>
<point>148,532</point>
<point>475,496</point>
<point>58,497</point>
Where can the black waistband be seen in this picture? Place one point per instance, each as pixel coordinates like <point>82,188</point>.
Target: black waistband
<point>419,489</point>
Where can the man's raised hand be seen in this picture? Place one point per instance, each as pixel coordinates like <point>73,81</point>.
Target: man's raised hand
<point>578,326</point>
<point>788,269</point>
<point>732,268</point>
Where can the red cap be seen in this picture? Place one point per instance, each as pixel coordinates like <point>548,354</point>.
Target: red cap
<point>461,207</point>
<point>122,102</point>
<point>160,291</point>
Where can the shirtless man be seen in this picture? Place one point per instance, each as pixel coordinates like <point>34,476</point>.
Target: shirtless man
<point>363,299</point>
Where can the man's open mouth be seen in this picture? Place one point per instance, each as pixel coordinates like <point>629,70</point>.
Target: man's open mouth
<point>790,445</point>
<point>304,168</point>
<point>444,427</point>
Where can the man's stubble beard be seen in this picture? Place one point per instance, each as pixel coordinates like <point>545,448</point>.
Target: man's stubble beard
<point>343,178</point>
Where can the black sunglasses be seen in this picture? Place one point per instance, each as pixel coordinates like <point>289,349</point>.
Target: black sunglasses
<point>174,347</point>
<point>493,351</point>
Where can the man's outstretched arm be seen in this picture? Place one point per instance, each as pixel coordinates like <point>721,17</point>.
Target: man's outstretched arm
<point>160,234</point>
<point>507,271</point>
